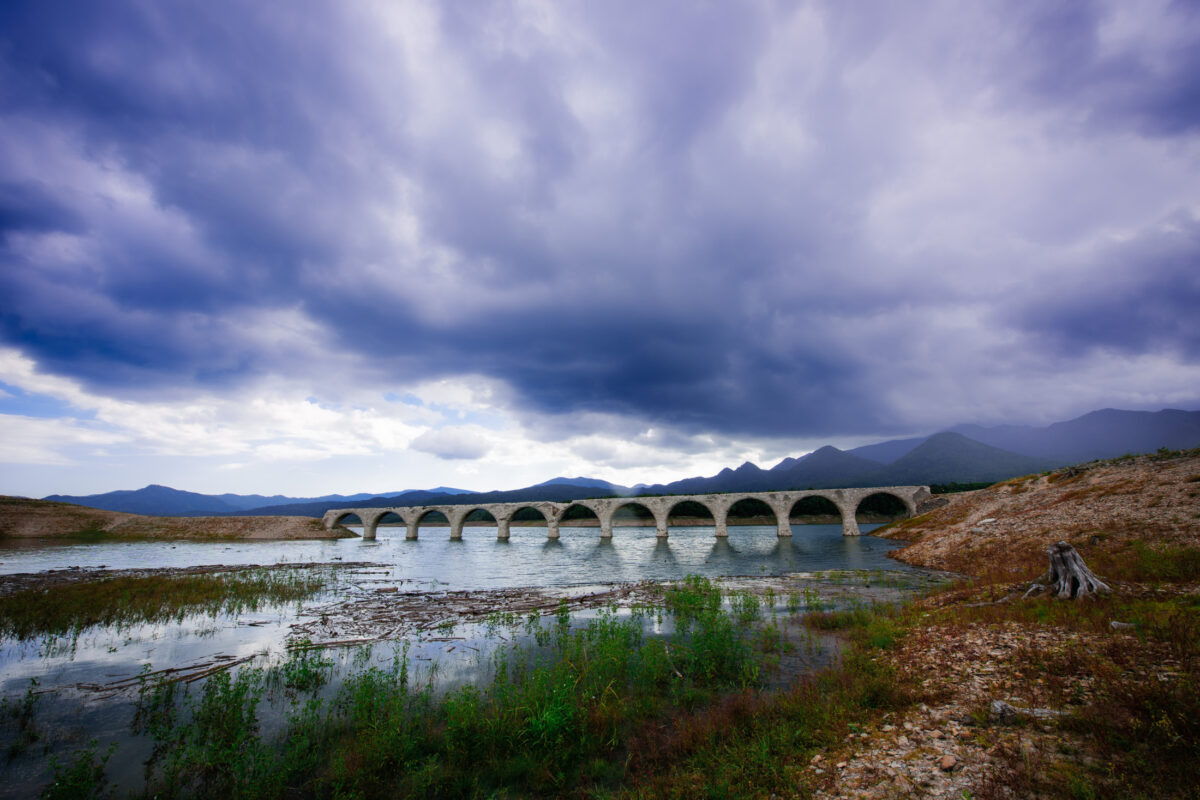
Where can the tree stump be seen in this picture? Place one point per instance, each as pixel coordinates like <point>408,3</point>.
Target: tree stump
<point>1068,577</point>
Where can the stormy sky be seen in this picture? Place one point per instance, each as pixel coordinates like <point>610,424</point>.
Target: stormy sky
<point>312,247</point>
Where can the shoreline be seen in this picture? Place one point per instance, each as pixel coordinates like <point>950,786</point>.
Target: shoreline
<point>24,519</point>
<point>1095,698</point>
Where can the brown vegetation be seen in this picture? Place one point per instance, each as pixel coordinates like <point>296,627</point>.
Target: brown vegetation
<point>1107,510</point>
<point>1115,679</point>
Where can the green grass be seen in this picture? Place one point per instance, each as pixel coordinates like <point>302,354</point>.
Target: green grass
<point>598,710</point>
<point>605,710</point>
<point>555,719</point>
<point>72,607</point>
<point>1168,564</point>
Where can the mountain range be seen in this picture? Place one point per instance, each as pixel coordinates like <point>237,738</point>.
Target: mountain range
<point>964,454</point>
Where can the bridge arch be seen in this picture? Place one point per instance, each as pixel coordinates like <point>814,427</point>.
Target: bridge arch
<point>427,515</point>
<point>883,506</point>
<point>342,518</point>
<point>689,508</point>
<point>572,515</point>
<point>520,512</point>
<point>754,504</point>
<point>465,514</point>
<point>651,513</point>
<point>813,509</point>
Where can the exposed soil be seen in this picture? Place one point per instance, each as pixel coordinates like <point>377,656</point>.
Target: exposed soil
<point>952,745</point>
<point>1101,508</point>
<point>21,518</point>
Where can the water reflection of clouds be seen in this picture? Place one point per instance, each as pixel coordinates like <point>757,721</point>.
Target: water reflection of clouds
<point>579,557</point>
<point>480,561</point>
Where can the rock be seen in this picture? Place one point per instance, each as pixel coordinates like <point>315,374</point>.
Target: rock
<point>948,762</point>
<point>1001,711</point>
<point>817,758</point>
<point>1120,626</point>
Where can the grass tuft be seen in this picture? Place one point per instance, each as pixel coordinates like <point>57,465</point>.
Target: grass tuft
<point>71,608</point>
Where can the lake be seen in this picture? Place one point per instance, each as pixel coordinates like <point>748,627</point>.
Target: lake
<point>480,561</point>
<point>86,684</point>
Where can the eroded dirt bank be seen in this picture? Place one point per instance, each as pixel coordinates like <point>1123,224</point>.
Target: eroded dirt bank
<point>21,518</point>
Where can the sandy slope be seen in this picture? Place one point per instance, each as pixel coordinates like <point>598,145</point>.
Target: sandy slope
<point>22,518</point>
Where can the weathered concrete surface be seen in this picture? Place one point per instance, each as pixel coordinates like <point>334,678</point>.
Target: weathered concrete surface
<point>780,503</point>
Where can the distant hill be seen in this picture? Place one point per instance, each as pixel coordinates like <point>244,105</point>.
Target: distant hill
<point>592,483</point>
<point>942,458</point>
<point>951,457</point>
<point>826,468</point>
<point>555,492</point>
<point>155,500</point>
<point>889,451</point>
<point>968,453</point>
<point>1107,433</point>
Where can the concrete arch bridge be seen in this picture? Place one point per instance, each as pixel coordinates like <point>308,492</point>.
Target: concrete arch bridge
<point>781,505</point>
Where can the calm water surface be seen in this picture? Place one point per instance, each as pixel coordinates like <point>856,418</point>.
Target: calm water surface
<point>480,561</point>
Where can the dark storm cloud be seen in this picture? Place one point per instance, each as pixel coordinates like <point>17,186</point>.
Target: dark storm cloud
<point>1143,299</point>
<point>659,211</point>
<point>1153,90</point>
<point>27,206</point>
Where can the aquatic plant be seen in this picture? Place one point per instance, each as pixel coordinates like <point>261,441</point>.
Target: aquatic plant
<point>70,608</point>
<point>553,717</point>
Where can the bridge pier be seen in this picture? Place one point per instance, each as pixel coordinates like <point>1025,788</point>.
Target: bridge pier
<point>368,530</point>
<point>502,530</point>
<point>785,526</point>
<point>720,522</point>
<point>552,529</point>
<point>456,530</point>
<point>412,530</point>
<point>606,529</point>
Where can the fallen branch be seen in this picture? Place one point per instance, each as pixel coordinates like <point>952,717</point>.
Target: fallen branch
<point>195,676</point>
<point>1005,713</point>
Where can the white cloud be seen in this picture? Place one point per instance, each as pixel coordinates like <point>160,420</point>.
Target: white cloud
<point>467,443</point>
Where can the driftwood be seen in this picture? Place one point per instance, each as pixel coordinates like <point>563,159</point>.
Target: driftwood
<point>1001,711</point>
<point>1068,577</point>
